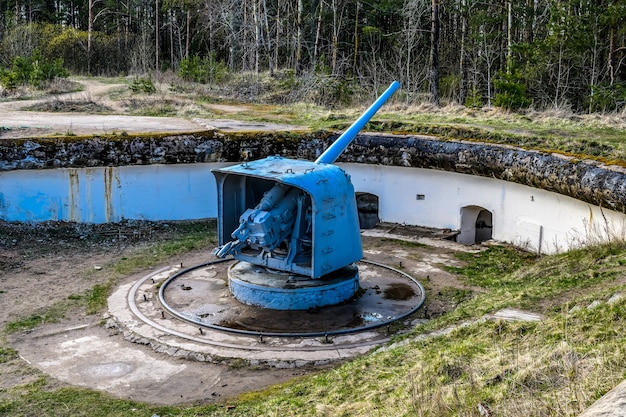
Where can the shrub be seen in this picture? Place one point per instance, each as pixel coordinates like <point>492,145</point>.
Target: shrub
<point>109,54</point>
<point>474,98</point>
<point>449,86</point>
<point>33,70</point>
<point>333,91</point>
<point>9,79</point>
<point>143,85</point>
<point>512,94</point>
<point>202,70</point>
<point>607,97</point>
<point>70,46</point>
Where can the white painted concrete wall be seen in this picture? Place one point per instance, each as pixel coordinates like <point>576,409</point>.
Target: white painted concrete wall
<point>528,217</point>
<point>109,194</point>
<point>536,219</point>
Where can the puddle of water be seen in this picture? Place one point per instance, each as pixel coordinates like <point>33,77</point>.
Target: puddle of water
<point>399,291</point>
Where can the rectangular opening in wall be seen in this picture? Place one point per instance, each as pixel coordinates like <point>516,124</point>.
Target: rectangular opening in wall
<point>420,196</point>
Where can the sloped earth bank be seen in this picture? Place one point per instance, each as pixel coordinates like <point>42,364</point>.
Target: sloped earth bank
<point>42,265</point>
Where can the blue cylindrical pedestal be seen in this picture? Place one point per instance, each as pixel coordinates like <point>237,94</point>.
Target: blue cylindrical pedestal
<point>254,285</point>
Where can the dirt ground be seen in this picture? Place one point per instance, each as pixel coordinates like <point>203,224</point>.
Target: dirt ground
<point>44,264</point>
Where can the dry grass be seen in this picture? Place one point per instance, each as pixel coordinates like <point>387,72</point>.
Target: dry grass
<point>556,367</point>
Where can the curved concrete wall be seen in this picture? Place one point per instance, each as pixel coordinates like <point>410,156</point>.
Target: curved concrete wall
<point>109,194</point>
<point>585,180</point>
<point>539,220</point>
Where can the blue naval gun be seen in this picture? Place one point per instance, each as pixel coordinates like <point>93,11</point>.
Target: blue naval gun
<point>293,226</point>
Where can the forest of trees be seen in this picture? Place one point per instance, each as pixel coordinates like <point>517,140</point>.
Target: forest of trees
<point>545,53</point>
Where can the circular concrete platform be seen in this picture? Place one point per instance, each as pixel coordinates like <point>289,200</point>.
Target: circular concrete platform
<point>201,293</point>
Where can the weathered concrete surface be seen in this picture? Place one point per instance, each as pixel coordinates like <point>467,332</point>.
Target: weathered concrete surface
<point>584,180</point>
<point>613,404</point>
<point>120,150</point>
<point>96,358</point>
<point>581,179</point>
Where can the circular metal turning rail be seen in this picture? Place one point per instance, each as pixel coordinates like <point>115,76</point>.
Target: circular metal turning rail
<point>256,333</point>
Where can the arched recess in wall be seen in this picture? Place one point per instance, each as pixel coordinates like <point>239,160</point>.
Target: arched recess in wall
<point>367,206</point>
<point>476,225</point>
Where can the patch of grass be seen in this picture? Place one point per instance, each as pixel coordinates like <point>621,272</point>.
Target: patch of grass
<point>64,106</point>
<point>575,136</point>
<point>157,110</point>
<point>489,268</point>
<point>191,237</point>
<point>51,314</point>
<point>455,295</point>
<point>405,243</point>
<point>7,354</point>
<point>96,298</point>
<point>538,286</point>
<point>238,363</point>
<point>82,402</point>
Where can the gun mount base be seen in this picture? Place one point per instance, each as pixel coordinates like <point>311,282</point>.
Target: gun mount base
<point>257,286</point>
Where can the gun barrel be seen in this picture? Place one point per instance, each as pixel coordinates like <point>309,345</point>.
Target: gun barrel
<point>332,153</point>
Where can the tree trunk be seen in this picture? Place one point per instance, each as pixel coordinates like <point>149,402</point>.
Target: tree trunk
<point>509,40</point>
<point>462,54</point>
<point>318,32</point>
<point>335,37</point>
<point>299,38</point>
<point>529,21</point>
<point>609,62</point>
<point>257,35</point>
<point>188,35</point>
<point>356,37</point>
<point>234,44</point>
<point>277,40</point>
<point>268,38</point>
<point>594,65</point>
<point>169,12</point>
<point>156,36</point>
<point>434,53</point>
<point>89,35</point>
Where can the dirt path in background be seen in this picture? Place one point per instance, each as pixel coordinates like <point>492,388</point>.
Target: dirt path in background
<point>93,90</point>
<point>19,123</point>
<point>15,122</point>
